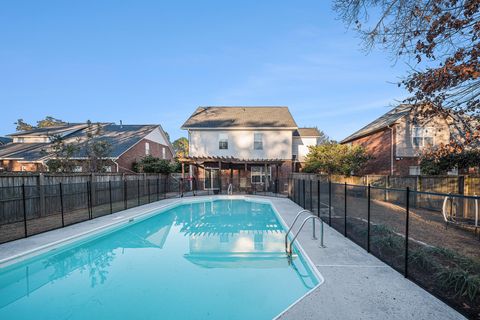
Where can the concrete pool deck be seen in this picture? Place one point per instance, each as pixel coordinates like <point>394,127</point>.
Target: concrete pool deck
<point>357,285</point>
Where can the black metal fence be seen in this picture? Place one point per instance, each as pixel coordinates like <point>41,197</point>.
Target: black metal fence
<point>29,210</point>
<point>437,246</point>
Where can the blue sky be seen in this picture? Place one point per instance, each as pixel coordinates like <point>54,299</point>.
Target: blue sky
<point>156,61</point>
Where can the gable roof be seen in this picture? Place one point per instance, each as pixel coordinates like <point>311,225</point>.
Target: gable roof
<point>120,138</point>
<point>240,117</point>
<point>378,124</point>
<point>306,132</point>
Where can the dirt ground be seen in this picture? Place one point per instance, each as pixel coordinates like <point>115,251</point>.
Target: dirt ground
<point>425,226</point>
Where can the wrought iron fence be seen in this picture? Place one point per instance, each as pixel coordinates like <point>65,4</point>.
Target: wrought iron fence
<point>29,210</point>
<point>431,238</point>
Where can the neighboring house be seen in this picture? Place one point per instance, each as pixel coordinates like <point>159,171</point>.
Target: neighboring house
<point>30,150</point>
<point>242,145</point>
<point>5,140</point>
<point>397,139</point>
<point>302,139</point>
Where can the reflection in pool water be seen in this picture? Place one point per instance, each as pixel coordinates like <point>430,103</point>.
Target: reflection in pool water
<point>193,261</point>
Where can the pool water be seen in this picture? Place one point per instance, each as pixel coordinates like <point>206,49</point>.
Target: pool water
<point>221,259</point>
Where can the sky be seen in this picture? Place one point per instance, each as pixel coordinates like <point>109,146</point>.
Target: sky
<point>154,62</point>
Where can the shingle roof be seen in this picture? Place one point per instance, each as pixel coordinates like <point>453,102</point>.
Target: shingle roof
<point>120,138</point>
<point>5,140</point>
<point>307,132</point>
<point>384,121</point>
<point>23,151</point>
<point>49,130</point>
<point>240,117</point>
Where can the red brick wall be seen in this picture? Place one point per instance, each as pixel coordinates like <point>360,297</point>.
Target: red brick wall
<point>378,145</point>
<point>137,152</point>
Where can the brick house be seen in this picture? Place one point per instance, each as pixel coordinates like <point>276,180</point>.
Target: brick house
<point>246,146</point>
<point>396,139</point>
<point>30,150</point>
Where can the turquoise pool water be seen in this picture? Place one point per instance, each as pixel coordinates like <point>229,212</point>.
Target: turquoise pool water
<point>221,259</point>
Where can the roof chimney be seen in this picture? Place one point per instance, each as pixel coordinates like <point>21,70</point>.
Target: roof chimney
<point>121,124</point>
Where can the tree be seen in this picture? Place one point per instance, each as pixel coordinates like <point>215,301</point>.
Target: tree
<point>181,147</point>
<point>150,164</point>
<point>96,148</point>
<point>431,163</point>
<point>323,137</point>
<point>333,158</point>
<point>440,39</point>
<point>62,153</point>
<point>22,125</point>
<point>44,123</point>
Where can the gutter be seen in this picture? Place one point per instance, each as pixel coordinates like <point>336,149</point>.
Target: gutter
<point>391,148</point>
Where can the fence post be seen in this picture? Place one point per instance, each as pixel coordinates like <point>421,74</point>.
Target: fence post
<point>158,188</point>
<point>61,204</point>
<point>165,183</point>
<point>89,198</point>
<point>407,218</point>
<point>329,202</point>
<point>368,218</point>
<point>148,189</point>
<point>345,225</point>
<point>110,195</point>
<point>311,195</point>
<point>276,187</point>
<point>303,182</point>
<point>138,191</point>
<point>125,194</point>
<point>318,197</point>
<point>24,201</point>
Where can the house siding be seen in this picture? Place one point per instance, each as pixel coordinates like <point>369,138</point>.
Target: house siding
<point>277,144</point>
<point>137,152</point>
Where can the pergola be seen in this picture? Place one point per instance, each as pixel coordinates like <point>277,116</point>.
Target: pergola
<point>199,161</point>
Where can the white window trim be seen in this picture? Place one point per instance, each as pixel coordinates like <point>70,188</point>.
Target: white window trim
<point>256,141</point>
<point>422,136</point>
<point>260,174</point>
<point>221,138</point>
<point>147,148</point>
<point>164,153</point>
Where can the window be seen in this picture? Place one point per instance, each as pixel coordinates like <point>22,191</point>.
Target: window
<point>164,156</point>
<point>414,170</point>
<point>77,169</point>
<point>147,148</point>
<point>223,141</point>
<point>259,176</point>
<point>20,140</point>
<point>422,137</point>
<point>258,141</point>
<point>107,168</point>
<point>23,168</point>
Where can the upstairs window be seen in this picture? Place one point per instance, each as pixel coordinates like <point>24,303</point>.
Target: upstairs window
<point>223,141</point>
<point>164,156</point>
<point>258,141</point>
<point>422,137</point>
<point>147,148</point>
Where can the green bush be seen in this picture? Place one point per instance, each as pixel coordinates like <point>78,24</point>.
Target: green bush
<point>150,164</point>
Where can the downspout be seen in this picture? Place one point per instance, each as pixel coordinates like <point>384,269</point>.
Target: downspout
<point>116,164</point>
<point>391,148</point>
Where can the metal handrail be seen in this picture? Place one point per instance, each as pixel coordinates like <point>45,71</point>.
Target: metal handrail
<point>230,189</point>
<point>293,223</point>
<point>300,229</point>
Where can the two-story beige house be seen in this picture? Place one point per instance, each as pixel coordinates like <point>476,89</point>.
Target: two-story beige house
<point>245,146</point>
<point>397,139</point>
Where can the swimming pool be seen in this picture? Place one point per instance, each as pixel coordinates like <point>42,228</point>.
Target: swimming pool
<point>214,259</point>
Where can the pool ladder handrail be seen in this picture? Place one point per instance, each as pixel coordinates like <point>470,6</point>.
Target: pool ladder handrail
<point>293,223</point>
<point>313,217</point>
<point>230,189</point>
